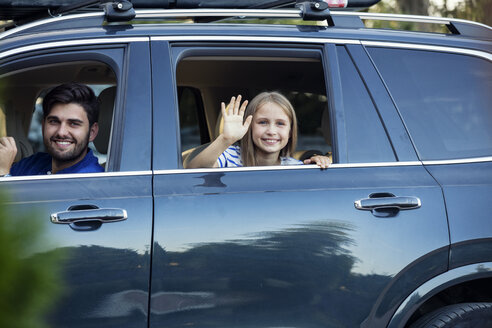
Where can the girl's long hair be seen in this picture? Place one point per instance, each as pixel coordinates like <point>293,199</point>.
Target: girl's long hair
<point>247,146</point>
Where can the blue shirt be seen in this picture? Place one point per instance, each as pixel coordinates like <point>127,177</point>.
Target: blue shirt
<point>231,157</point>
<point>40,164</point>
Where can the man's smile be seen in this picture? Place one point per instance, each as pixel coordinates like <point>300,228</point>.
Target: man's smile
<point>62,143</point>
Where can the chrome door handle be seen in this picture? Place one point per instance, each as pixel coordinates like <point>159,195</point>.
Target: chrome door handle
<point>401,202</point>
<point>104,215</point>
<point>385,204</point>
<point>88,217</point>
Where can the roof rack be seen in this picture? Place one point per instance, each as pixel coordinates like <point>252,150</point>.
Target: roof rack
<point>25,11</point>
<point>454,25</point>
<point>304,10</point>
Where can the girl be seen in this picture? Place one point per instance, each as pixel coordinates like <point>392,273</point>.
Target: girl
<point>270,141</point>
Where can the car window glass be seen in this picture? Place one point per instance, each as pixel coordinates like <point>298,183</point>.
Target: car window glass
<point>366,138</point>
<point>443,98</point>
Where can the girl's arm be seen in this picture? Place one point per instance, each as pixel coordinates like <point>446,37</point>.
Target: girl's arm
<point>320,160</point>
<point>234,130</point>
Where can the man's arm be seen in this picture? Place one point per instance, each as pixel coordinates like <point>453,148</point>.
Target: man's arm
<point>8,150</point>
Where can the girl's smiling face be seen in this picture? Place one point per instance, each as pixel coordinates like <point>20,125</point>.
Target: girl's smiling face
<point>270,129</point>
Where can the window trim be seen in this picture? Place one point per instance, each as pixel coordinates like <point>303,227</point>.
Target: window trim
<point>462,51</point>
<point>242,169</point>
<point>76,175</point>
<point>459,161</point>
<point>69,43</point>
<point>285,167</point>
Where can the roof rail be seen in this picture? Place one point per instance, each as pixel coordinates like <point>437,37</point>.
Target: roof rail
<point>334,18</point>
<point>26,11</point>
<point>349,19</point>
<point>454,25</point>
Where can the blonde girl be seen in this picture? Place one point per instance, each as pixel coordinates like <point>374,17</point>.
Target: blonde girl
<point>266,129</point>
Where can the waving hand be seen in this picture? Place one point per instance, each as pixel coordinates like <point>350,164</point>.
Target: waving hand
<point>233,115</point>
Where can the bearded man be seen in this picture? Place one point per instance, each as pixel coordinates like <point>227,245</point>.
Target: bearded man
<point>70,113</point>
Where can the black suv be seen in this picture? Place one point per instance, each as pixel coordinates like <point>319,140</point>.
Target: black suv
<point>395,233</point>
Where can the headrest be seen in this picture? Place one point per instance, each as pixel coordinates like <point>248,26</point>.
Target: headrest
<point>12,125</point>
<point>106,107</point>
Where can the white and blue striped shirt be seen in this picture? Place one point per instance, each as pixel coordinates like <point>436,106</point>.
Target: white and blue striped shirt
<point>231,157</point>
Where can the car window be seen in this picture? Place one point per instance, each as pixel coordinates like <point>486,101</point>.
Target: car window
<point>204,81</point>
<point>21,94</point>
<point>366,137</point>
<point>444,99</point>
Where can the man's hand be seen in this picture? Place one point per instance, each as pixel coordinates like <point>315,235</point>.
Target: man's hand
<point>233,114</point>
<point>8,150</point>
<point>322,161</point>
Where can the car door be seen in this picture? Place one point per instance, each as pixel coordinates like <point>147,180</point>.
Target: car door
<point>449,119</point>
<point>99,224</point>
<point>293,246</point>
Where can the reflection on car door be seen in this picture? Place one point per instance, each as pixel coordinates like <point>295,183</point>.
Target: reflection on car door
<point>105,267</point>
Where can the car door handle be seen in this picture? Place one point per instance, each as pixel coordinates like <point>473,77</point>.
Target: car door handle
<point>88,217</point>
<point>104,215</point>
<point>386,204</point>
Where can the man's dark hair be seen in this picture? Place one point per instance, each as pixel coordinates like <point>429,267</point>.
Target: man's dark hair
<point>73,93</point>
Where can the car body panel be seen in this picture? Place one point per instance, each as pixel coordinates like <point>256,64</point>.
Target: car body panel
<point>467,189</point>
<point>222,256</point>
<point>115,255</point>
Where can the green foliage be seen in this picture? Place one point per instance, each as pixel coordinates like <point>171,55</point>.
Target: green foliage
<point>474,10</point>
<point>29,279</point>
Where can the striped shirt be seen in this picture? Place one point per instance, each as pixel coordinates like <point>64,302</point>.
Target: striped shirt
<point>231,157</point>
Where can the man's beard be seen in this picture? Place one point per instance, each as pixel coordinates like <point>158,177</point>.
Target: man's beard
<point>62,157</point>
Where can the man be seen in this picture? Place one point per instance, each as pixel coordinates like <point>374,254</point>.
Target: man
<point>70,113</point>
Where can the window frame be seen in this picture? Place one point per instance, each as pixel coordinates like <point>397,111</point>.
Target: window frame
<point>253,52</point>
<point>167,155</point>
<point>428,50</point>
<point>111,52</point>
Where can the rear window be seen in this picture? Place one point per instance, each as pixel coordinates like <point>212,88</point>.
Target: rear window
<point>445,100</point>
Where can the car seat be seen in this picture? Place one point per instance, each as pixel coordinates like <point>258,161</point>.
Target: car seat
<point>106,101</point>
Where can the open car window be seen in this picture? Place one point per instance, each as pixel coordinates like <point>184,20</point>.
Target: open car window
<point>207,77</point>
<point>22,88</point>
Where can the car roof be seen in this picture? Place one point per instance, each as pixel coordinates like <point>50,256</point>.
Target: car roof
<point>202,22</point>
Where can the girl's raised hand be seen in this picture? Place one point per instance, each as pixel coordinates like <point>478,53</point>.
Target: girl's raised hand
<point>234,128</point>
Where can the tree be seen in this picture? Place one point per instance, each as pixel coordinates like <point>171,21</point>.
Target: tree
<point>29,280</point>
<point>414,7</point>
<point>475,10</point>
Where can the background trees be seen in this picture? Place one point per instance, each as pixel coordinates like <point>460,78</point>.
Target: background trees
<point>476,10</point>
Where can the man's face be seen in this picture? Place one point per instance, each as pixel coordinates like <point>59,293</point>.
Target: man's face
<point>66,133</point>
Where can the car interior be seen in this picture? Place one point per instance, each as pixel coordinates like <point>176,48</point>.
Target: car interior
<point>206,81</point>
